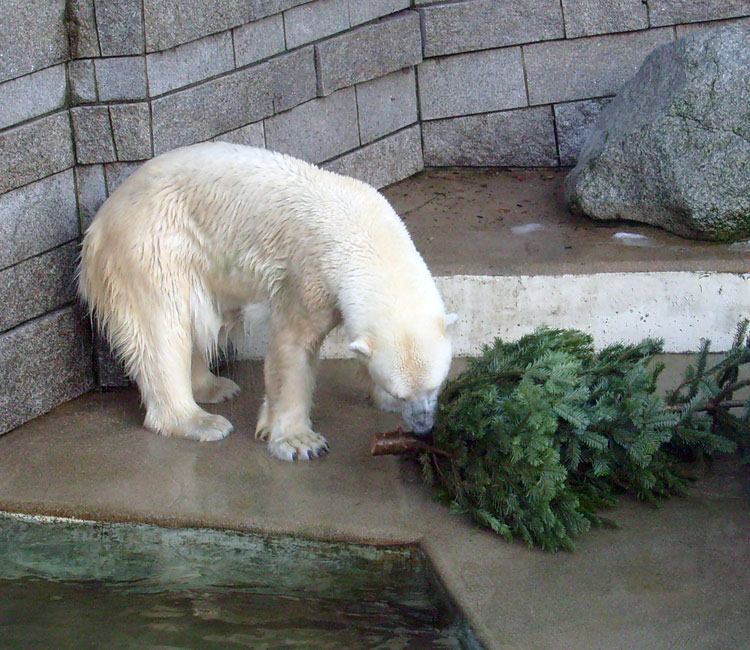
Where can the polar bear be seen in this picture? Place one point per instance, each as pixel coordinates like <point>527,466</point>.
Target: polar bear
<point>200,235</point>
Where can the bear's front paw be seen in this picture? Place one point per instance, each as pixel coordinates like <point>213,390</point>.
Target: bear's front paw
<point>306,445</point>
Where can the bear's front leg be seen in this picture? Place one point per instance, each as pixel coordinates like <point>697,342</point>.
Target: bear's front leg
<point>289,371</point>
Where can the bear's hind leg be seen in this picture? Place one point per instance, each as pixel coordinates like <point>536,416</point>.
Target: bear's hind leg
<point>207,387</point>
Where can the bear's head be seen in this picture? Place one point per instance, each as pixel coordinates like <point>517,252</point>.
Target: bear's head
<point>407,365</point>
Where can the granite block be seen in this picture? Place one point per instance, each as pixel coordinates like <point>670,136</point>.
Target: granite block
<point>672,12</point>
<point>692,28</point>
<point>213,107</point>
<point>252,135</point>
<point>363,11</point>
<point>315,20</point>
<point>188,63</point>
<point>84,40</point>
<point>386,104</point>
<point>589,17</point>
<point>120,27</point>
<point>45,362</point>
<point>131,127</point>
<point>82,81</point>
<point>258,40</point>
<point>91,188</point>
<point>484,24</point>
<point>121,78</point>
<point>37,217</point>
<point>116,173</point>
<point>172,22</point>
<point>33,36</point>
<point>584,68</point>
<point>263,8</point>
<point>476,82</point>
<point>31,95</point>
<point>317,130</point>
<point>369,51</point>
<point>518,138</point>
<point>291,78</point>
<point>35,150</point>
<point>93,134</point>
<point>37,285</point>
<point>386,161</point>
<point>573,121</point>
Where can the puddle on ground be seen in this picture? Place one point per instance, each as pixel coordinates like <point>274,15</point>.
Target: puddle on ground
<point>73,584</point>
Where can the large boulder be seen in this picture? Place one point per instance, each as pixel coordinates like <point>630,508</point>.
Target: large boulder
<point>673,148</point>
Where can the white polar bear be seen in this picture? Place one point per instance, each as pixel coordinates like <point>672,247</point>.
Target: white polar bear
<point>199,235</point>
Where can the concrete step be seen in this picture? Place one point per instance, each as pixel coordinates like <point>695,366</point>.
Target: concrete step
<point>509,257</point>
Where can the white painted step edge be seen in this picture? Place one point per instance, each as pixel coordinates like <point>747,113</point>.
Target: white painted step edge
<point>679,307</point>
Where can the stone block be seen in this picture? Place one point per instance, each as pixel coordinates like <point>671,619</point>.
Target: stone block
<point>33,36</point>
<point>31,95</point>
<point>93,134</point>
<point>120,27</point>
<point>35,150</point>
<point>386,104</point>
<point>172,22</point>
<point>671,12</point>
<point>116,173</point>
<point>82,81</point>
<point>484,24</point>
<point>84,40</point>
<point>121,78</point>
<point>110,373</point>
<point>37,217</point>
<point>692,28</point>
<point>131,127</point>
<point>317,130</point>
<point>45,362</point>
<point>263,8</point>
<point>188,63</point>
<point>589,17</point>
<point>252,135</point>
<point>476,82</point>
<point>369,51</point>
<point>583,68</point>
<point>91,188</point>
<point>291,78</point>
<point>386,161</point>
<point>363,11</point>
<point>223,104</point>
<point>519,138</point>
<point>315,20</point>
<point>573,121</point>
<point>37,285</point>
<point>258,40</point>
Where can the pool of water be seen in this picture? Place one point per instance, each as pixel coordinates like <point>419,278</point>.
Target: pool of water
<point>77,584</point>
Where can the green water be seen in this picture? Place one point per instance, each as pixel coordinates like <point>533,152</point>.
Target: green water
<point>69,584</point>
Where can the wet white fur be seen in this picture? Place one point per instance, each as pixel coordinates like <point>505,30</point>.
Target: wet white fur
<point>197,238</point>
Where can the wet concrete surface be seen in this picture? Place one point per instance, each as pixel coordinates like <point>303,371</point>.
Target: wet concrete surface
<point>499,222</point>
<point>673,577</point>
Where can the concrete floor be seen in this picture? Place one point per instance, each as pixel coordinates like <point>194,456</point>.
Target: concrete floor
<point>495,222</point>
<point>676,577</point>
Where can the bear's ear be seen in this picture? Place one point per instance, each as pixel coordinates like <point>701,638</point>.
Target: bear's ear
<point>361,346</point>
<point>449,320</point>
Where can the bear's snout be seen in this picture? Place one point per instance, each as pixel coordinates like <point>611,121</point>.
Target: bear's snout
<point>419,415</point>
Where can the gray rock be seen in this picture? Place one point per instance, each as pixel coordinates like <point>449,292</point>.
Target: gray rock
<point>258,40</point>
<point>673,148</point>
<point>669,12</point>
<point>92,192</point>
<point>252,135</point>
<point>588,17</point>
<point>92,129</point>
<point>386,104</point>
<point>84,41</point>
<point>121,78</point>
<point>120,26</point>
<point>32,95</point>
<point>82,81</point>
<point>573,121</point>
<point>131,127</point>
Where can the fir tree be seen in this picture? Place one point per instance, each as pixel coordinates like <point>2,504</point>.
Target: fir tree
<point>538,436</point>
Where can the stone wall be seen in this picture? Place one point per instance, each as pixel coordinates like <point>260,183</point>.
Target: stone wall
<point>377,89</point>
